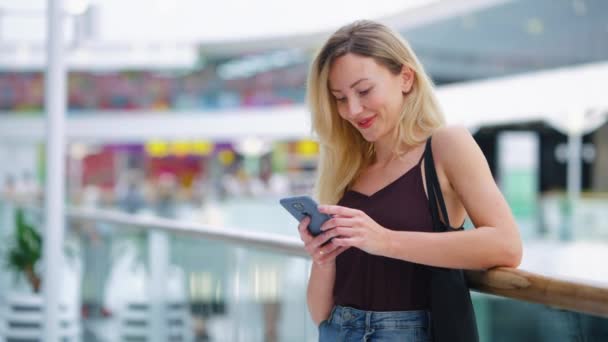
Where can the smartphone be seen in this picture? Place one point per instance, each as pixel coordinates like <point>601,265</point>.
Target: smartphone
<point>302,206</point>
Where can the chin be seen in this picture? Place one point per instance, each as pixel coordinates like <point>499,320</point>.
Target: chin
<point>369,137</point>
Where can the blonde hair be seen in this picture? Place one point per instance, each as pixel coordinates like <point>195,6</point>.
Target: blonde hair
<point>343,151</point>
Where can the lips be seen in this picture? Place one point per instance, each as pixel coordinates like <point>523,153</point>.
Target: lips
<point>367,122</point>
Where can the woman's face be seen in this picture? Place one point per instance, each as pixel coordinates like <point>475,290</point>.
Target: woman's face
<point>368,95</point>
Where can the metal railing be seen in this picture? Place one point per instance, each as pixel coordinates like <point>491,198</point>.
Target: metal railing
<point>504,282</point>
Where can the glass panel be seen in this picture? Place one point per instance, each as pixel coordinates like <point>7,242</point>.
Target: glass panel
<point>590,217</point>
<point>132,284</point>
<point>502,319</point>
<point>207,290</point>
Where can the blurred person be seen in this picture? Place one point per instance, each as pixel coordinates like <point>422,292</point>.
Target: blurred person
<point>131,201</point>
<point>235,182</point>
<point>374,110</point>
<point>278,184</point>
<point>90,197</point>
<point>203,207</point>
<point>28,188</point>
<point>96,243</point>
<point>9,188</point>
<point>165,201</point>
<point>129,193</point>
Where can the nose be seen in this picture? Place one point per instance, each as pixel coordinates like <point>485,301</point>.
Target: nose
<point>354,107</point>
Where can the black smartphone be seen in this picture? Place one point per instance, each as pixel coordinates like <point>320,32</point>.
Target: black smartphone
<point>302,206</point>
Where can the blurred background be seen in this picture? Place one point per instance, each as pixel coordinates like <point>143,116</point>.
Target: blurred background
<point>189,116</point>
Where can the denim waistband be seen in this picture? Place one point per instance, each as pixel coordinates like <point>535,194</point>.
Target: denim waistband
<point>346,316</point>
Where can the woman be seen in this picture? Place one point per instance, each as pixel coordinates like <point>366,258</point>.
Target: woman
<point>373,109</point>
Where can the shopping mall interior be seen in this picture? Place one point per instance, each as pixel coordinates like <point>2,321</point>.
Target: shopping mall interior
<point>146,146</point>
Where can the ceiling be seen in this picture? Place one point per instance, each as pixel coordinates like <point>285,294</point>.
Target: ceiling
<point>114,34</point>
<point>469,40</point>
<point>455,39</point>
<point>513,37</point>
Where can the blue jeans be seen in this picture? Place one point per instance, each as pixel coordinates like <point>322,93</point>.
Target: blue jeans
<point>347,324</point>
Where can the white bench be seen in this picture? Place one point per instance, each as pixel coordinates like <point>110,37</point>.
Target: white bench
<point>134,322</point>
<point>21,319</point>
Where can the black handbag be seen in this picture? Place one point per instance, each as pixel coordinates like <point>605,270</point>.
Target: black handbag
<point>452,314</point>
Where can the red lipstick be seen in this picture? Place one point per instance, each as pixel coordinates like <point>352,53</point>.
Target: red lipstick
<point>366,123</point>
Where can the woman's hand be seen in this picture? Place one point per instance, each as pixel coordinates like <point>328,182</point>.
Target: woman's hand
<point>355,229</point>
<point>322,253</point>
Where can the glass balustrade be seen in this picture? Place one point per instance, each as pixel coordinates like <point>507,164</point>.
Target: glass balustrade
<point>132,282</point>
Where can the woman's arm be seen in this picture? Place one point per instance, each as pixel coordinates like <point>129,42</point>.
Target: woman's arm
<point>483,248</point>
<point>495,242</point>
<point>319,295</point>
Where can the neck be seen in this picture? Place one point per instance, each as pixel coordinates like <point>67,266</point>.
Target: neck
<point>385,151</point>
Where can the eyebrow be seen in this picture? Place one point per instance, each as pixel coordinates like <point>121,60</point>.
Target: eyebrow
<point>352,85</point>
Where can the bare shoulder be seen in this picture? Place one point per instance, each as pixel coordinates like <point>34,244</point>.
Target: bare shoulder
<point>453,141</point>
<point>451,134</point>
<point>457,154</point>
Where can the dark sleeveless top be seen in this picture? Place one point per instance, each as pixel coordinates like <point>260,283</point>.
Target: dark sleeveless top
<point>369,282</point>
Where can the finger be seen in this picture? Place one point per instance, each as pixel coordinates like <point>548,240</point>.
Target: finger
<point>311,251</point>
<point>329,224</point>
<point>338,210</point>
<point>336,222</point>
<point>339,250</point>
<point>323,238</point>
<point>346,242</point>
<point>346,232</point>
<point>303,230</point>
<point>327,248</point>
<point>306,238</point>
<point>325,253</point>
<point>331,255</point>
<point>305,235</point>
<point>303,226</point>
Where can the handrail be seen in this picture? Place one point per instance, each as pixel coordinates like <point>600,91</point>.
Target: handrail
<point>501,281</point>
<point>273,242</point>
<point>531,287</point>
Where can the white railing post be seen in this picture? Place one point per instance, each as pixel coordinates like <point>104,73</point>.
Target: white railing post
<point>158,258</point>
<point>574,173</point>
<point>55,105</point>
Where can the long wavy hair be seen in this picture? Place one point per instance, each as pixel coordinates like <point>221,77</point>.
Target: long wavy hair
<point>344,153</point>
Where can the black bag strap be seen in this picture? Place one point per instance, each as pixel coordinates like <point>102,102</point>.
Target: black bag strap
<point>433,188</point>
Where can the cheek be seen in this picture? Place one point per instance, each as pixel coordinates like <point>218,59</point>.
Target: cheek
<point>376,101</point>
<point>398,103</point>
<point>342,111</point>
<point>394,102</point>
<point>384,103</point>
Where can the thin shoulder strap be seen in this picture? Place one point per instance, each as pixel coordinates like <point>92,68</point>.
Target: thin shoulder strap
<point>434,189</point>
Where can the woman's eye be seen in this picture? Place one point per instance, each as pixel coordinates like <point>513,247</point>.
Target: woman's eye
<point>364,92</point>
<point>341,99</point>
